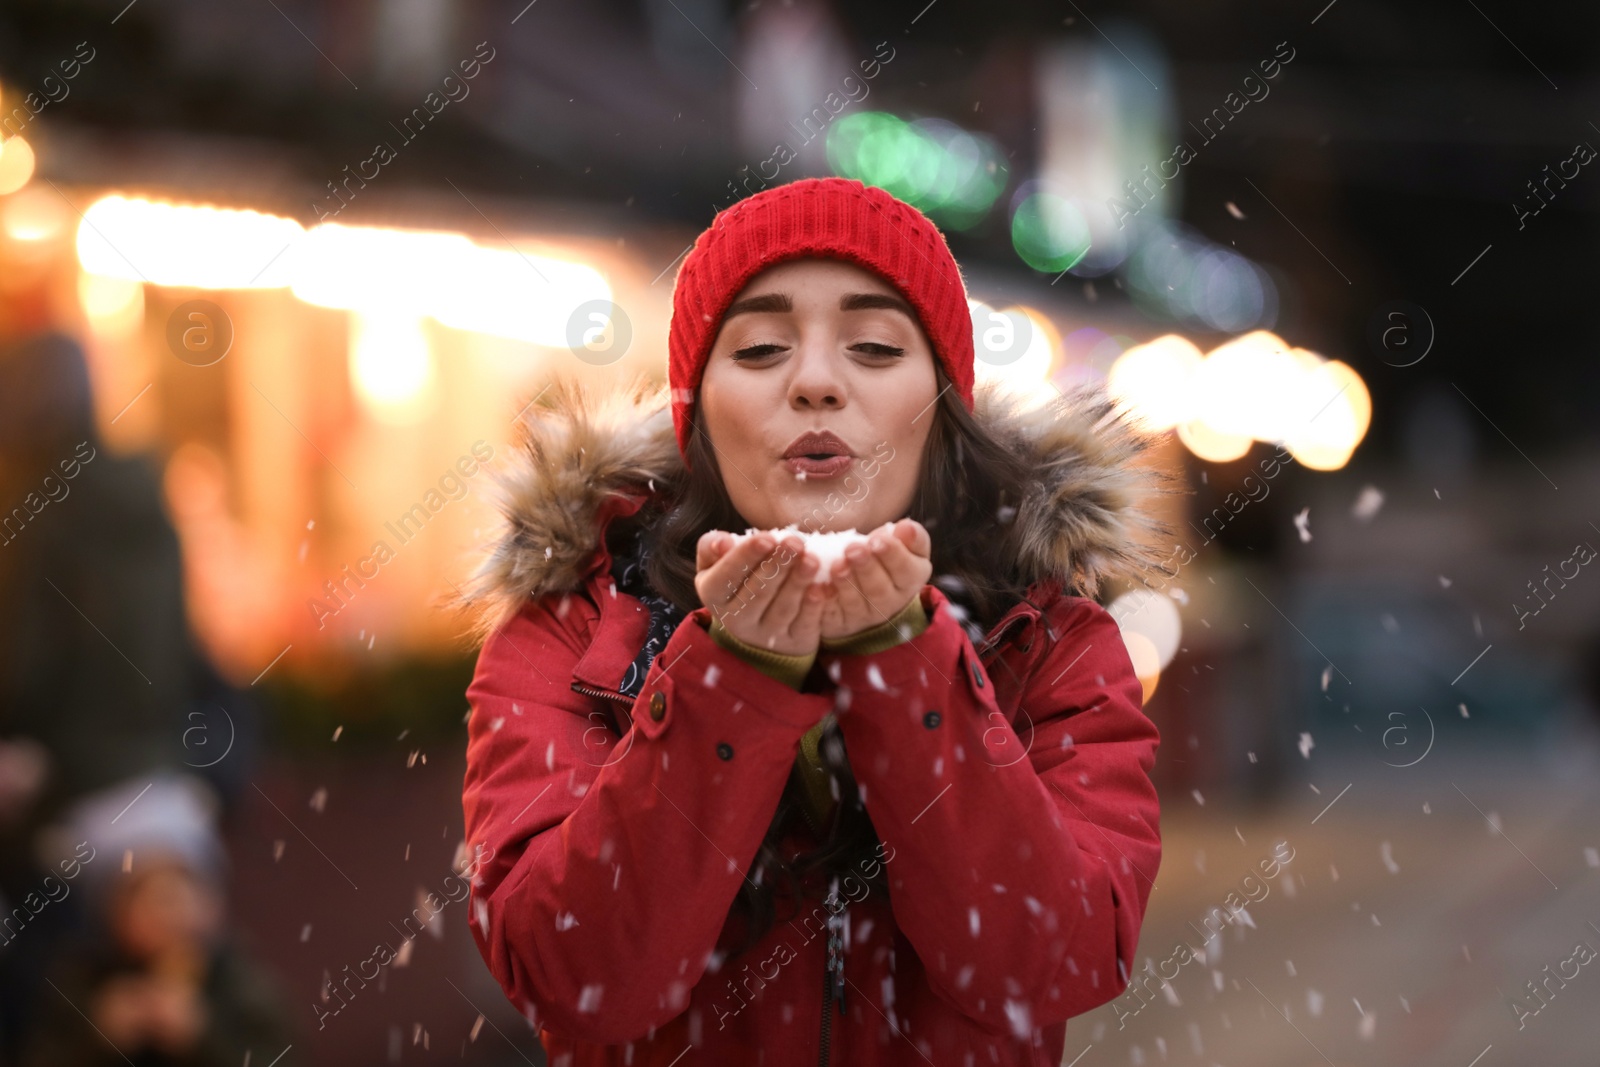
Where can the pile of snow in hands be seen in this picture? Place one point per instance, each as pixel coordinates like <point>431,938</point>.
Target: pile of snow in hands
<point>822,547</point>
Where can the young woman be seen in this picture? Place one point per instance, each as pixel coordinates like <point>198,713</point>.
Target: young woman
<point>734,808</point>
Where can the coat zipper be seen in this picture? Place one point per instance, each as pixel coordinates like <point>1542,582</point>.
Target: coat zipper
<point>591,691</point>
<point>832,981</point>
<point>833,971</point>
<point>827,995</point>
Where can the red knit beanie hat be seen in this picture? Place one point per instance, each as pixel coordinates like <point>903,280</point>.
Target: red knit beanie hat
<point>832,218</point>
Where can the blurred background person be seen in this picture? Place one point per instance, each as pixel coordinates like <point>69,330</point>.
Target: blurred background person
<point>152,977</point>
<point>98,673</point>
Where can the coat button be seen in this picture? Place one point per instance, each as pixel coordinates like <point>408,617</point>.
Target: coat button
<point>658,705</point>
<point>725,750</point>
<point>931,719</point>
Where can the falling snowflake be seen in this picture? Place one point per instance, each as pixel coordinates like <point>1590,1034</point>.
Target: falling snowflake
<point>1302,524</point>
<point>1368,501</point>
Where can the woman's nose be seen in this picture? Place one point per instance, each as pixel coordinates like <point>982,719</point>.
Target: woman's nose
<point>817,382</point>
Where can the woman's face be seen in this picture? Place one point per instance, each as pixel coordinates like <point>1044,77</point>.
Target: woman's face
<point>817,398</point>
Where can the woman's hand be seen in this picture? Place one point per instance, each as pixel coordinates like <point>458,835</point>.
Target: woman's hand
<point>761,591</point>
<point>874,581</point>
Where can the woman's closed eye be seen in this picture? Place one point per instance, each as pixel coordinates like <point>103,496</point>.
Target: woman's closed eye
<point>872,349</point>
<point>753,352</point>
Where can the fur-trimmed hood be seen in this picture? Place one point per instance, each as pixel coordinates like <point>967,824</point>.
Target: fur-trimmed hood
<point>1085,518</point>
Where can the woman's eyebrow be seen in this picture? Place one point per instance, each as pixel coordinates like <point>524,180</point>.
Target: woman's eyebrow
<point>874,301</point>
<point>766,302</point>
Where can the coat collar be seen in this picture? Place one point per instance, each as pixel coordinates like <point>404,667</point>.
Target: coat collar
<point>590,455</point>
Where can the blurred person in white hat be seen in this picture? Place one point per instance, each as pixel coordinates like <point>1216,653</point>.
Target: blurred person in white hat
<point>153,971</point>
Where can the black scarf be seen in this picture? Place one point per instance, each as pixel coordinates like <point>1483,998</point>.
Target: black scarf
<point>628,570</point>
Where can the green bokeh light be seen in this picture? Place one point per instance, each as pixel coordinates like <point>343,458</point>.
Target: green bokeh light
<point>933,165</point>
<point>1049,233</point>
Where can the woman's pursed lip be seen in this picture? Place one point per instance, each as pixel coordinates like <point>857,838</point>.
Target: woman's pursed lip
<point>817,442</point>
<point>804,467</point>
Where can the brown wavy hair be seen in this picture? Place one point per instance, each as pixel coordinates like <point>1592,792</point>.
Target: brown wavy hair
<point>968,486</point>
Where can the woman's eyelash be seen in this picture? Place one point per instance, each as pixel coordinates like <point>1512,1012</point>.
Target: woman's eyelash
<point>756,351</point>
<point>872,348</point>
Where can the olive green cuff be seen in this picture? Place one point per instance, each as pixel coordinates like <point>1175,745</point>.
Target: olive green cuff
<point>907,623</point>
<point>790,670</point>
<point>814,777</point>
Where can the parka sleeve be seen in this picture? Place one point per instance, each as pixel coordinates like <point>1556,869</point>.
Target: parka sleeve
<point>608,866</point>
<point>1023,858</point>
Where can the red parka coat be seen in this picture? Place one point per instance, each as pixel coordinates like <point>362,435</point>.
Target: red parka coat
<point>1008,783</point>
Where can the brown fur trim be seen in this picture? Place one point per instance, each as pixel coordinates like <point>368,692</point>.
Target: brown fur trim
<point>583,445</point>
<point>1083,518</point>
